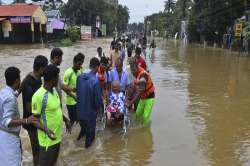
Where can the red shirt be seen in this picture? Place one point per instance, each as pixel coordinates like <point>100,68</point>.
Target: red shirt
<point>141,62</point>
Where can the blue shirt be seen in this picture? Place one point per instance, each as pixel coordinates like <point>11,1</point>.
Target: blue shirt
<point>124,81</point>
<point>89,96</point>
<point>8,110</point>
<point>118,100</point>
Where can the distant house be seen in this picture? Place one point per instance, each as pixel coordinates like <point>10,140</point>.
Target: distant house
<point>53,14</point>
<point>55,27</point>
<point>22,23</point>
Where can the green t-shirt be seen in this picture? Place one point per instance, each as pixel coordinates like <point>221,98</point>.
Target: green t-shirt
<point>54,116</point>
<point>70,78</point>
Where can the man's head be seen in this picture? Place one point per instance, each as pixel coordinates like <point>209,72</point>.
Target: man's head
<point>12,77</point>
<point>119,65</point>
<point>99,51</point>
<point>56,56</point>
<point>115,87</point>
<point>94,64</point>
<point>51,75</point>
<point>40,64</point>
<point>78,61</point>
<point>104,62</point>
<point>133,66</point>
<point>129,52</point>
<point>137,52</point>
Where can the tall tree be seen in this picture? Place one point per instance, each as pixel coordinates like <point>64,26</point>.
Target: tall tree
<point>169,6</point>
<point>122,18</point>
<point>85,12</point>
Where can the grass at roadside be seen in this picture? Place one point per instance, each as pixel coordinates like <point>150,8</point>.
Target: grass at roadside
<point>64,43</point>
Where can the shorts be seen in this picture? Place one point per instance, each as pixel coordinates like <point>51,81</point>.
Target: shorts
<point>72,113</point>
<point>48,157</point>
<point>144,109</point>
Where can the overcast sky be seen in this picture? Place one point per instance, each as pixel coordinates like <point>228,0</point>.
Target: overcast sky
<point>138,8</point>
<point>141,8</point>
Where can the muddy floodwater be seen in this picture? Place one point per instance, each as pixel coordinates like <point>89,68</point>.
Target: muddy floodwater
<point>201,115</point>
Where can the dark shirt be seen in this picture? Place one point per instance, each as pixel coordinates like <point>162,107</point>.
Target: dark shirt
<point>89,96</point>
<point>29,86</point>
<point>112,45</point>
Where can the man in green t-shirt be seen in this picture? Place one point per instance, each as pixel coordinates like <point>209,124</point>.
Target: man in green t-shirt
<point>69,79</point>
<point>46,105</point>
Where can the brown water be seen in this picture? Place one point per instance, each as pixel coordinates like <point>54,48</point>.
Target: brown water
<point>201,114</point>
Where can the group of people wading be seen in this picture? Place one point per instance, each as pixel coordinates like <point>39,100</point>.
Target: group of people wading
<point>106,87</point>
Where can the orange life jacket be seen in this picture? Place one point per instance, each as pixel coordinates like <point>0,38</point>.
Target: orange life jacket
<point>149,84</point>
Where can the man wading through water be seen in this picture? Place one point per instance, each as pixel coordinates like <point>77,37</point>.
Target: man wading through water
<point>30,85</point>
<point>145,93</point>
<point>47,107</point>
<point>10,122</point>
<point>89,100</point>
<point>69,79</point>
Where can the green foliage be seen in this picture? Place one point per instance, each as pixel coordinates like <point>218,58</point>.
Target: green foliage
<point>170,6</point>
<point>73,33</point>
<point>236,44</point>
<point>136,27</point>
<point>63,43</point>
<point>213,16</point>
<point>122,18</point>
<point>85,12</point>
<point>207,19</point>
<point>169,21</point>
<point>157,22</point>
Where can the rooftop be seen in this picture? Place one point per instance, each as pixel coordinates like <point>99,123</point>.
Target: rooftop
<point>18,9</point>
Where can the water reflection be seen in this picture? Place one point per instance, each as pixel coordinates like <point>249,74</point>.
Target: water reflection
<point>219,104</point>
<point>111,148</point>
<point>201,114</point>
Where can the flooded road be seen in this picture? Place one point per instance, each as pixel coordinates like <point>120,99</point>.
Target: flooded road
<point>201,115</point>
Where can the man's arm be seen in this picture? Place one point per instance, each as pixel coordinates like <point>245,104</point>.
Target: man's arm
<point>67,124</point>
<point>40,126</point>
<point>140,88</point>
<point>9,119</point>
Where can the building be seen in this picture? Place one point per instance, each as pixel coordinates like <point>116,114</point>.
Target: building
<point>22,23</point>
<point>55,26</point>
<point>53,14</point>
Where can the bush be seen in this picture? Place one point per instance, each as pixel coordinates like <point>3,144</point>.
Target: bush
<point>64,43</point>
<point>236,44</point>
<point>73,33</point>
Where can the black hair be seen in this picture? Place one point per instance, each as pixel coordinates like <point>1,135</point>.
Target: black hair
<point>99,48</point>
<point>40,62</point>
<point>129,52</point>
<point>79,58</point>
<point>11,75</point>
<point>94,62</point>
<point>51,72</point>
<point>56,52</point>
<point>104,60</point>
<point>138,51</point>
